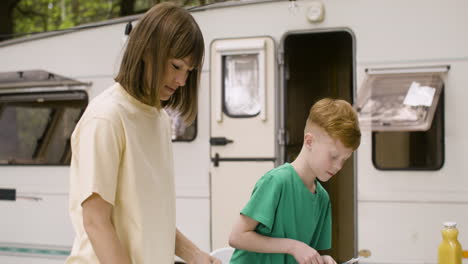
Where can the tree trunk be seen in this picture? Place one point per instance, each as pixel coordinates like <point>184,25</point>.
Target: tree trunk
<point>6,18</point>
<point>75,10</point>
<point>127,7</point>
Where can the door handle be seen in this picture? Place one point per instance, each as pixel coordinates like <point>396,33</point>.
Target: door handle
<point>215,160</point>
<point>12,195</point>
<point>220,141</point>
<point>8,194</point>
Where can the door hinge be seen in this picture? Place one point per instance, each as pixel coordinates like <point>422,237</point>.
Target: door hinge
<point>280,58</point>
<point>281,137</point>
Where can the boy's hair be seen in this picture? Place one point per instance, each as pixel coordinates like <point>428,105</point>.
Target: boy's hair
<point>338,119</point>
<point>166,31</point>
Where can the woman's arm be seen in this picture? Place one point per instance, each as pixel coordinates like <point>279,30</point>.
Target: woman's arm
<point>101,232</point>
<point>189,252</point>
<point>243,236</point>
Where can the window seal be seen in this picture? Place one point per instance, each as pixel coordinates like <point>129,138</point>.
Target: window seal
<point>36,79</point>
<point>46,97</point>
<point>195,124</point>
<point>442,138</point>
<point>394,83</point>
<point>223,91</point>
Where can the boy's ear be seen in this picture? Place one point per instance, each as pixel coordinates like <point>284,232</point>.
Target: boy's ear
<point>309,140</point>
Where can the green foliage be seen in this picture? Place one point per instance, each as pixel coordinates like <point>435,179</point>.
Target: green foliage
<point>31,16</point>
<point>45,15</point>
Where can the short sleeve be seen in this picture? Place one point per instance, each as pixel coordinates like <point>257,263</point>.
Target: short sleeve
<point>264,201</point>
<point>96,150</point>
<point>325,235</point>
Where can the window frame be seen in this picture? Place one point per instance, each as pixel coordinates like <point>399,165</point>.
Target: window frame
<point>442,121</point>
<point>223,89</point>
<point>435,73</point>
<point>438,105</point>
<point>195,125</point>
<point>239,47</point>
<point>37,97</point>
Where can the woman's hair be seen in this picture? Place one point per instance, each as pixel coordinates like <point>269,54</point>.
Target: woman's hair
<point>338,119</point>
<point>166,31</point>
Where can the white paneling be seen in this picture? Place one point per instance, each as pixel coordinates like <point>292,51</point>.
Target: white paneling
<point>407,232</point>
<point>44,222</point>
<point>232,186</point>
<point>191,159</point>
<point>193,220</point>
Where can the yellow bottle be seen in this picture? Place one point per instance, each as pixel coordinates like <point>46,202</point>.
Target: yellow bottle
<point>450,251</point>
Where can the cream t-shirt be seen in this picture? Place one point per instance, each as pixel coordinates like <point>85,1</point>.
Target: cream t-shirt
<point>121,149</point>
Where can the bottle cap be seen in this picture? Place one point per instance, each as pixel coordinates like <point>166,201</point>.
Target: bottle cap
<point>450,224</point>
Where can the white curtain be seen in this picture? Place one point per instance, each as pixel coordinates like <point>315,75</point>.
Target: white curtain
<point>241,90</point>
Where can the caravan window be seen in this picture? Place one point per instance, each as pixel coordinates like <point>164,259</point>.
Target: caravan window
<point>239,78</point>
<point>418,150</point>
<point>36,127</point>
<point>405,110</point>
<point>241,94</point>
<point>180,130</point>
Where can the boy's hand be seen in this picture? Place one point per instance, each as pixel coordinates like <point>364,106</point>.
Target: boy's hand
<point>328,260</point>
<point>304,254</point>
<point>203,258</point>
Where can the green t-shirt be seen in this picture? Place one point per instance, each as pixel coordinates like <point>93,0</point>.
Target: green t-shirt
<point>285,208</point>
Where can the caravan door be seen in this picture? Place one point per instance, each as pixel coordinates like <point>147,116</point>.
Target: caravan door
<point>242,126</point>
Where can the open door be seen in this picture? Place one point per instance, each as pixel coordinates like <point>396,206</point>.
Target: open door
<point>242,126</point>
<point>320,64</point>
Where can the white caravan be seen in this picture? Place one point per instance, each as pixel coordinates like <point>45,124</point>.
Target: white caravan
<point>266,63</point>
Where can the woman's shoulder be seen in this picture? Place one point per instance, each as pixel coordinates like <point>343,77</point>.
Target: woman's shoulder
<point>104,106</point>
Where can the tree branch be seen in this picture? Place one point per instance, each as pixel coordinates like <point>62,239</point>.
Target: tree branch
<point>30,12</point>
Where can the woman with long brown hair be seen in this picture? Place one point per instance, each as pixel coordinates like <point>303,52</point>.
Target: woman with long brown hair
<point>122,197</point>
